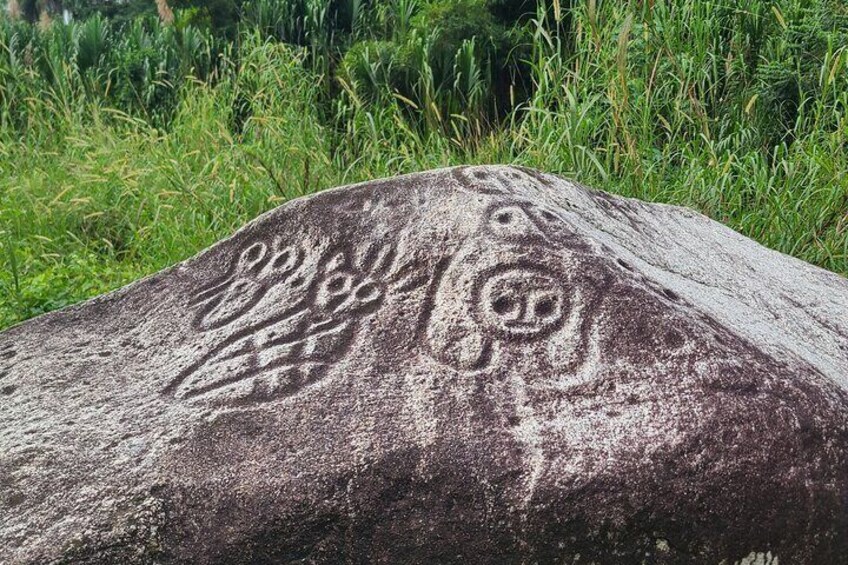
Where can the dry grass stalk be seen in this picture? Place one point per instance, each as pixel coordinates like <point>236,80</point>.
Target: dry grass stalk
<point>14,9</point>
<point>166,14</point>
<point>44,20</point>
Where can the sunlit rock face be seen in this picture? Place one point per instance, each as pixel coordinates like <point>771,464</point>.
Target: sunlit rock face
<point>471,365</point>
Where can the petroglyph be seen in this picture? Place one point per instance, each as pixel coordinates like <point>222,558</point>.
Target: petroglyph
<point>510,297</point>
<point>8,359</point>
<point>519,301</point>
<point>476,365</point>
<point>7,352</point>
<point>278,353</point>
<point>510,280</point>
<point>511,181</point>
<point>255,270</point>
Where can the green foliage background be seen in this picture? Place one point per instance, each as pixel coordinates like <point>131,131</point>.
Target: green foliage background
<point>127,145</point>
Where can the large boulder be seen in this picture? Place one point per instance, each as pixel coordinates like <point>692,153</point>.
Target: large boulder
<point>471,365</point>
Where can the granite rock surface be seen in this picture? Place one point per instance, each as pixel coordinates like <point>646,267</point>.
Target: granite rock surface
<point>469,365</point>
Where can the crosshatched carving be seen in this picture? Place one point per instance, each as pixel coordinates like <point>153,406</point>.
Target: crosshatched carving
<point>282,347</point>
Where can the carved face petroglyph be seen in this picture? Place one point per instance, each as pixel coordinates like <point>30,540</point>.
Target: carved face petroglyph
<point>510,289</point>
<point>505,182</point>
<point>494,298</point>
<point>344,291</point>
<point>256,269</point>
<point>526,223</point>
<point>281,337</point>
<point>520,302</point>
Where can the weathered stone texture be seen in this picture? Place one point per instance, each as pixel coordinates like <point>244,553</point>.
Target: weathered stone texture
<point>472,365</point>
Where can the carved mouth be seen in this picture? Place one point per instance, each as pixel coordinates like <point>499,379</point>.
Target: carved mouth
<point>325,324</point>
<point>522,326</point>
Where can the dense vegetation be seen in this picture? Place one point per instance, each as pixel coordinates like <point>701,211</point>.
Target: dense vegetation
<point>139,133</point>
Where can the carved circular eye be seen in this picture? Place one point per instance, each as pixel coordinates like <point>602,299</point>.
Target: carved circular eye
<point>367,291</point>
<point>252,258</point>
<point>480,174</point>
<point>254,252</point>
<point>502,305</point>
<point>503,218</point>
<point>282,259</point>
<point>297,282</point>
<point>544,307</point>
<point>337,284</point>
<point>549,217</point>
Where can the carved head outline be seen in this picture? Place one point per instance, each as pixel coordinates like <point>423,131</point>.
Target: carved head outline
<point>510,283</point>
<point>524,222</point>
<point>498,299</point>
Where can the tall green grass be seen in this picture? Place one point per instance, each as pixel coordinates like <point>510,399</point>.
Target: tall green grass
<point>124,151</point>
